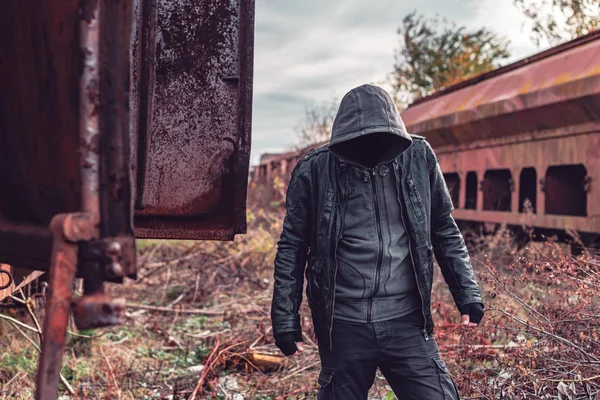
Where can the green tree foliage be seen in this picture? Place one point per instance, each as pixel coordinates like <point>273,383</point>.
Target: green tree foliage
<point>435,54</point>
<point>556,21</point>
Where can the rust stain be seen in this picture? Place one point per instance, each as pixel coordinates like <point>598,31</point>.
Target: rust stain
<point>193,128</point>
<point>525,88</point>
<point>6,280</point>
<point>540,94</point>
<point>562,78</point>
<point>194,112</point>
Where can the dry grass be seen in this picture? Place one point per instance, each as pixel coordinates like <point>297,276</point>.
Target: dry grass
<point>221,348</point>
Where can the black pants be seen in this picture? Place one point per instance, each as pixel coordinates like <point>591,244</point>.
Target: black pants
<point>412,365</point>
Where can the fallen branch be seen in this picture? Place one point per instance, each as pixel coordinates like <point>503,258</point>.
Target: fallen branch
<point>209,363</point>
<point>591,378</point>
<point>14,378</point>
<point>544,332</point>
<point>299,391</point>
<point>300,370</point>
<point>110,370</point>
<point>173,309</point>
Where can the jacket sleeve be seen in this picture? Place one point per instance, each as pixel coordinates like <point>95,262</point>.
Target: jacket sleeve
<point>292,249</point>
<point>448,243</point>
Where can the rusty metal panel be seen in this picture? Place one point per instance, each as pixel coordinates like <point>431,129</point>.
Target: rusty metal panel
<point>576,145</point>
<point>39,125</point>
<point>557,88</point>
<point>193,75</point>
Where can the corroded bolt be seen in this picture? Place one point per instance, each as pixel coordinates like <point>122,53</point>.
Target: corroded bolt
<point>116,269</point>
<point>113,249</point>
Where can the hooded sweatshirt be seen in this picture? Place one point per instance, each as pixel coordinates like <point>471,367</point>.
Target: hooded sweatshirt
<point>375,279</point>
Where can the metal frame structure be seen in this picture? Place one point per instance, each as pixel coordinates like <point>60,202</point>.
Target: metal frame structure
<point>76,170</point>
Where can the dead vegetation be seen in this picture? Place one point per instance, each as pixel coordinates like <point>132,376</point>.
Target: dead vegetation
<point>198,326</point>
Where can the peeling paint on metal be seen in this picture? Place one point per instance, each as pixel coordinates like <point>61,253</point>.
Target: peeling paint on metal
<point>536,95</point>
<point>194,79</point>
<point>194,120</point>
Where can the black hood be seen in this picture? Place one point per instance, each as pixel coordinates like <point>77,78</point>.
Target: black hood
<point>368,129</point>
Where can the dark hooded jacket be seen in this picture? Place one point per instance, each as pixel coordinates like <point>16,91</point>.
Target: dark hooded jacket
<point>375,278</point>
<point>316,204</point>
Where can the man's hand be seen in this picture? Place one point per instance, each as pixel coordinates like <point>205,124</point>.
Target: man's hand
<point>471,314</point>
<point>290,343</point>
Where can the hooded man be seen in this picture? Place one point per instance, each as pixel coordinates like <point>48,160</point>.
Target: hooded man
<point>365,215</point>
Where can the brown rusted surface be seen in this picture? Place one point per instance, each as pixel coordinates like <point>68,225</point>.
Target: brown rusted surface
<point>25,245</point>
<point>67,158</point>
<point>558,89</point>
<point>6,279</point>
<point>79,227</point>
<point>194,72</point>
<point>114,117</point>
<point>116,255</point>
<point>63,266</point>
<point>39,110</point>
<point>578,144</point>
<point>98,310</point>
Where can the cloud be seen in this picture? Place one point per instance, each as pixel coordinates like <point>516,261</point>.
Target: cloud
<point>313,50</point>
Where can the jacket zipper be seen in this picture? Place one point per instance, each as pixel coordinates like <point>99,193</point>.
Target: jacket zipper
<point>333,290</point>
<point>412,260</point>
<point>335,262</point>
<point>380,245</point>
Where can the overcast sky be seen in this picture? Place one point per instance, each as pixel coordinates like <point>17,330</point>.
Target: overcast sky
<point>314,50</point>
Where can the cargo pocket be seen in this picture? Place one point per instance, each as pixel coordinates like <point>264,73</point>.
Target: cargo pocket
<point>326,390</point>
<point>446,382</point>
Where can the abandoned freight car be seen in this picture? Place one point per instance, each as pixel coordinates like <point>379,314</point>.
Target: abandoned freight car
<point>518,145</point>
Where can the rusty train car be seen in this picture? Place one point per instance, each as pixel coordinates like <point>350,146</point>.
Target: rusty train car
<point>118,119</point>
<point>518,145</point>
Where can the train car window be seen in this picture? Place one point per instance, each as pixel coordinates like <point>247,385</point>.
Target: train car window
<point>471,192</point>
<point>497,187</point>
<point>453,182</point>
<point>565,188</point>
<point>528,190</point>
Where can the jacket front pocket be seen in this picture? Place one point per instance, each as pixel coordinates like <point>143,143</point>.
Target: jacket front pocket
<point>315,281</point>
<point>326,214</point>
<point>415,200</point>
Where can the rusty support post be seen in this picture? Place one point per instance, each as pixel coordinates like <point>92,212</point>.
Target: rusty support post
<point>67,229</point>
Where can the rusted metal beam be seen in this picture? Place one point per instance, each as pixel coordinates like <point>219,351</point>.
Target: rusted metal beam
<point>557,89</point>
<point>68,229</point>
